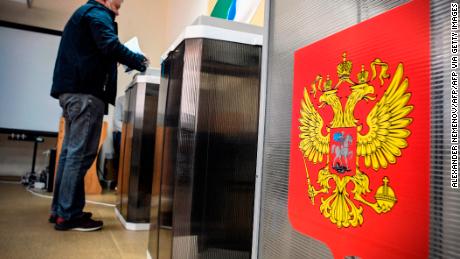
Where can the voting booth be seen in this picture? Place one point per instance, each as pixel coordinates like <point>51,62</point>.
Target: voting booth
<point>136,152</point>
<point>206,146</point>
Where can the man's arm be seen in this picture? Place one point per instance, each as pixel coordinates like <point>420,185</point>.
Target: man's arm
<point>107,41</point>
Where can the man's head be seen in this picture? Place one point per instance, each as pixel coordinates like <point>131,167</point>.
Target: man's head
<point>113,5</point>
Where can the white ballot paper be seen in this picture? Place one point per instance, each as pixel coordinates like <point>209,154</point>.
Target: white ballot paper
<point>133,45</point>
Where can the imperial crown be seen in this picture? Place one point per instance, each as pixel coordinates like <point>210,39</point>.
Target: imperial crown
<point>344,68</point>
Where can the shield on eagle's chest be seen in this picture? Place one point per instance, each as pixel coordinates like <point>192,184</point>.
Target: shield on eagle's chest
<point>342,151</point>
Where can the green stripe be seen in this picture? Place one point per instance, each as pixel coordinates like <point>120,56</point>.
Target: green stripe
<point>221,9</point>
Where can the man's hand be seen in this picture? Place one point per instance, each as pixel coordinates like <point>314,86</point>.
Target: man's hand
<point>145,62</point>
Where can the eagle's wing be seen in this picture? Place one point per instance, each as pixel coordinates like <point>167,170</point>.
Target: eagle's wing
<point>387,123</point>
<point>313,143</point>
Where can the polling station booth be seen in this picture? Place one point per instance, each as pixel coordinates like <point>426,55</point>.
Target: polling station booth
<point>206,143</point>
<point>136,151</point>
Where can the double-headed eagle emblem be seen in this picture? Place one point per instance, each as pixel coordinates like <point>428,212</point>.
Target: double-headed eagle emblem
<point>346,142</point>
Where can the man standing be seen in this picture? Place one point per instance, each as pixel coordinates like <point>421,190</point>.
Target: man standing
<point>84,81</point>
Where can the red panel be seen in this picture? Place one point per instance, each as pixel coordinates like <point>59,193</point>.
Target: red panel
<point>397,37</point>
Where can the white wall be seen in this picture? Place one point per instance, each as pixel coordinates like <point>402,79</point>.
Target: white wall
<point>181,13</point>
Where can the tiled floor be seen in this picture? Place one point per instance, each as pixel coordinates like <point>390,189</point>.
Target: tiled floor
<point>26,233</point>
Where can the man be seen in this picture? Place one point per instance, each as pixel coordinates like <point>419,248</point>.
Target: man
<point>84,81</point>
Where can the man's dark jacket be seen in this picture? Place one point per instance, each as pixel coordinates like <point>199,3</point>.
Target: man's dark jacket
<point>88,54</point>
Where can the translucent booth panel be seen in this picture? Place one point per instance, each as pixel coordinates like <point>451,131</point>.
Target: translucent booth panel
<point>209,148</point>
<point>136,152</point>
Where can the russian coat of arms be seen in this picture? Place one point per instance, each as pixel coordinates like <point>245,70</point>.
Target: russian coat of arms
<point>342,186</point>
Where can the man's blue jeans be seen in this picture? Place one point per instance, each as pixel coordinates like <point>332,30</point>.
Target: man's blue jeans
<point>83,115</point>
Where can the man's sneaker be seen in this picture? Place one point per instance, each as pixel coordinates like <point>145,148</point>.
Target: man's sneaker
<point>52,218</point>
<point>78,224</point>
